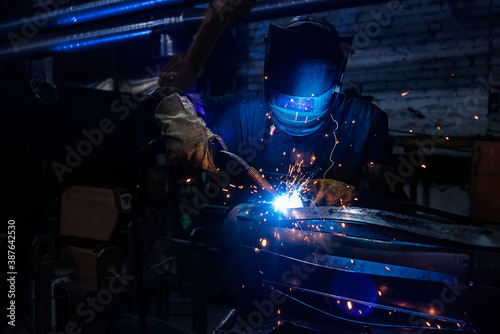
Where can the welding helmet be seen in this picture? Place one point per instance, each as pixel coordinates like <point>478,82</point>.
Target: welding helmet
<point>304,66</point>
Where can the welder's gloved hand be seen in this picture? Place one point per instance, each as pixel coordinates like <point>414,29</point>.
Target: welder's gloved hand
<point>186,136</point>
<point>327,192</point>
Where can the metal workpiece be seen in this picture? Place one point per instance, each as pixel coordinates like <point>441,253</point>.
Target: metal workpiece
<point>365,267</point>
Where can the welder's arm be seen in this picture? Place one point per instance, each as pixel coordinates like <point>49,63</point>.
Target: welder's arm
<point>220,15</point>
<point>186,137</point>
<point>327,192</point>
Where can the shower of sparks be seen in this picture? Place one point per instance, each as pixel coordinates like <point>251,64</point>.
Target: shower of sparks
<point>290,196</point>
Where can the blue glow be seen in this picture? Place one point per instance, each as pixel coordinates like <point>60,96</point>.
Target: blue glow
<point>69,46</point>
<point>288,201</point>
<point>109,10</point>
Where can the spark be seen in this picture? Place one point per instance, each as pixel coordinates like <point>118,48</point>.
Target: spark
<point>263,242</point>
<point>188,180</point>
<point>349,305</point>
<point>405,93</point>
<point>290,195</point>
<point>476,117</point>
<point>271,130</point>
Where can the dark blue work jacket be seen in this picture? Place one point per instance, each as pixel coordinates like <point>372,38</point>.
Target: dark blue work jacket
<point>244,123</point>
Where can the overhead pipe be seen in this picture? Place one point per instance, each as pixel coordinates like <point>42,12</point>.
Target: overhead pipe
<point>53,16</point>
<point>84,39</point>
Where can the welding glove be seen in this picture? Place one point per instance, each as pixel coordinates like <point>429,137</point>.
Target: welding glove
<point>187,139</point>
<point>327,192</point>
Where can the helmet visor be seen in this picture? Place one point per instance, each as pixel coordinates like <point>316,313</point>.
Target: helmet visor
<point>297,109</point>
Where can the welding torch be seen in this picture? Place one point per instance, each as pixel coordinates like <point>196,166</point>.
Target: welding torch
<point>254,175</point>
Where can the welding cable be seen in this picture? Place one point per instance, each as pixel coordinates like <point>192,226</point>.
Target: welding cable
<point>250,171</point>
<point>334,146</point>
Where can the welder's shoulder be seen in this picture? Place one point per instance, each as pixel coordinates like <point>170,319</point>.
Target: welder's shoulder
<point>363,109</point>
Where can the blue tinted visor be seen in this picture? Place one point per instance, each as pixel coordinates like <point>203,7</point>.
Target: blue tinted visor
<point>298,109</point>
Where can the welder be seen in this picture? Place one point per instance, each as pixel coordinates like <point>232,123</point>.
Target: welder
<point>300,117</point>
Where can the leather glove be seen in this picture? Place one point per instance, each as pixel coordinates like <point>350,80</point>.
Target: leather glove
<point>186,136</point>
<point>326,192</point>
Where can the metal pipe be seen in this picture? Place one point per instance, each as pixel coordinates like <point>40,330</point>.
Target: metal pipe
<point>81,40</point>
<point>52,16</point>
<point>85,39</point>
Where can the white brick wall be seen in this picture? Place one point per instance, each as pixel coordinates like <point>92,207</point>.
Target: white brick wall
<point>438,50</point>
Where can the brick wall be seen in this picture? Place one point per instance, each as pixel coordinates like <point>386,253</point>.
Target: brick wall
<point>443,53</point>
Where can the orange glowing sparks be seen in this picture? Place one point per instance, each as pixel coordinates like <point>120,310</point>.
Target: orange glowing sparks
<point>349,305</point>
<point>424,166</point>
<point>380,293</point>
<point>447,138</point>
<point>188,180</point>
<point>265,78</point>
<point>438,127</point>
<point>405,93</point>
<point>343,224</point>
<point>263,242</point>
<point>411,131</point>
<point>476,117</point>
